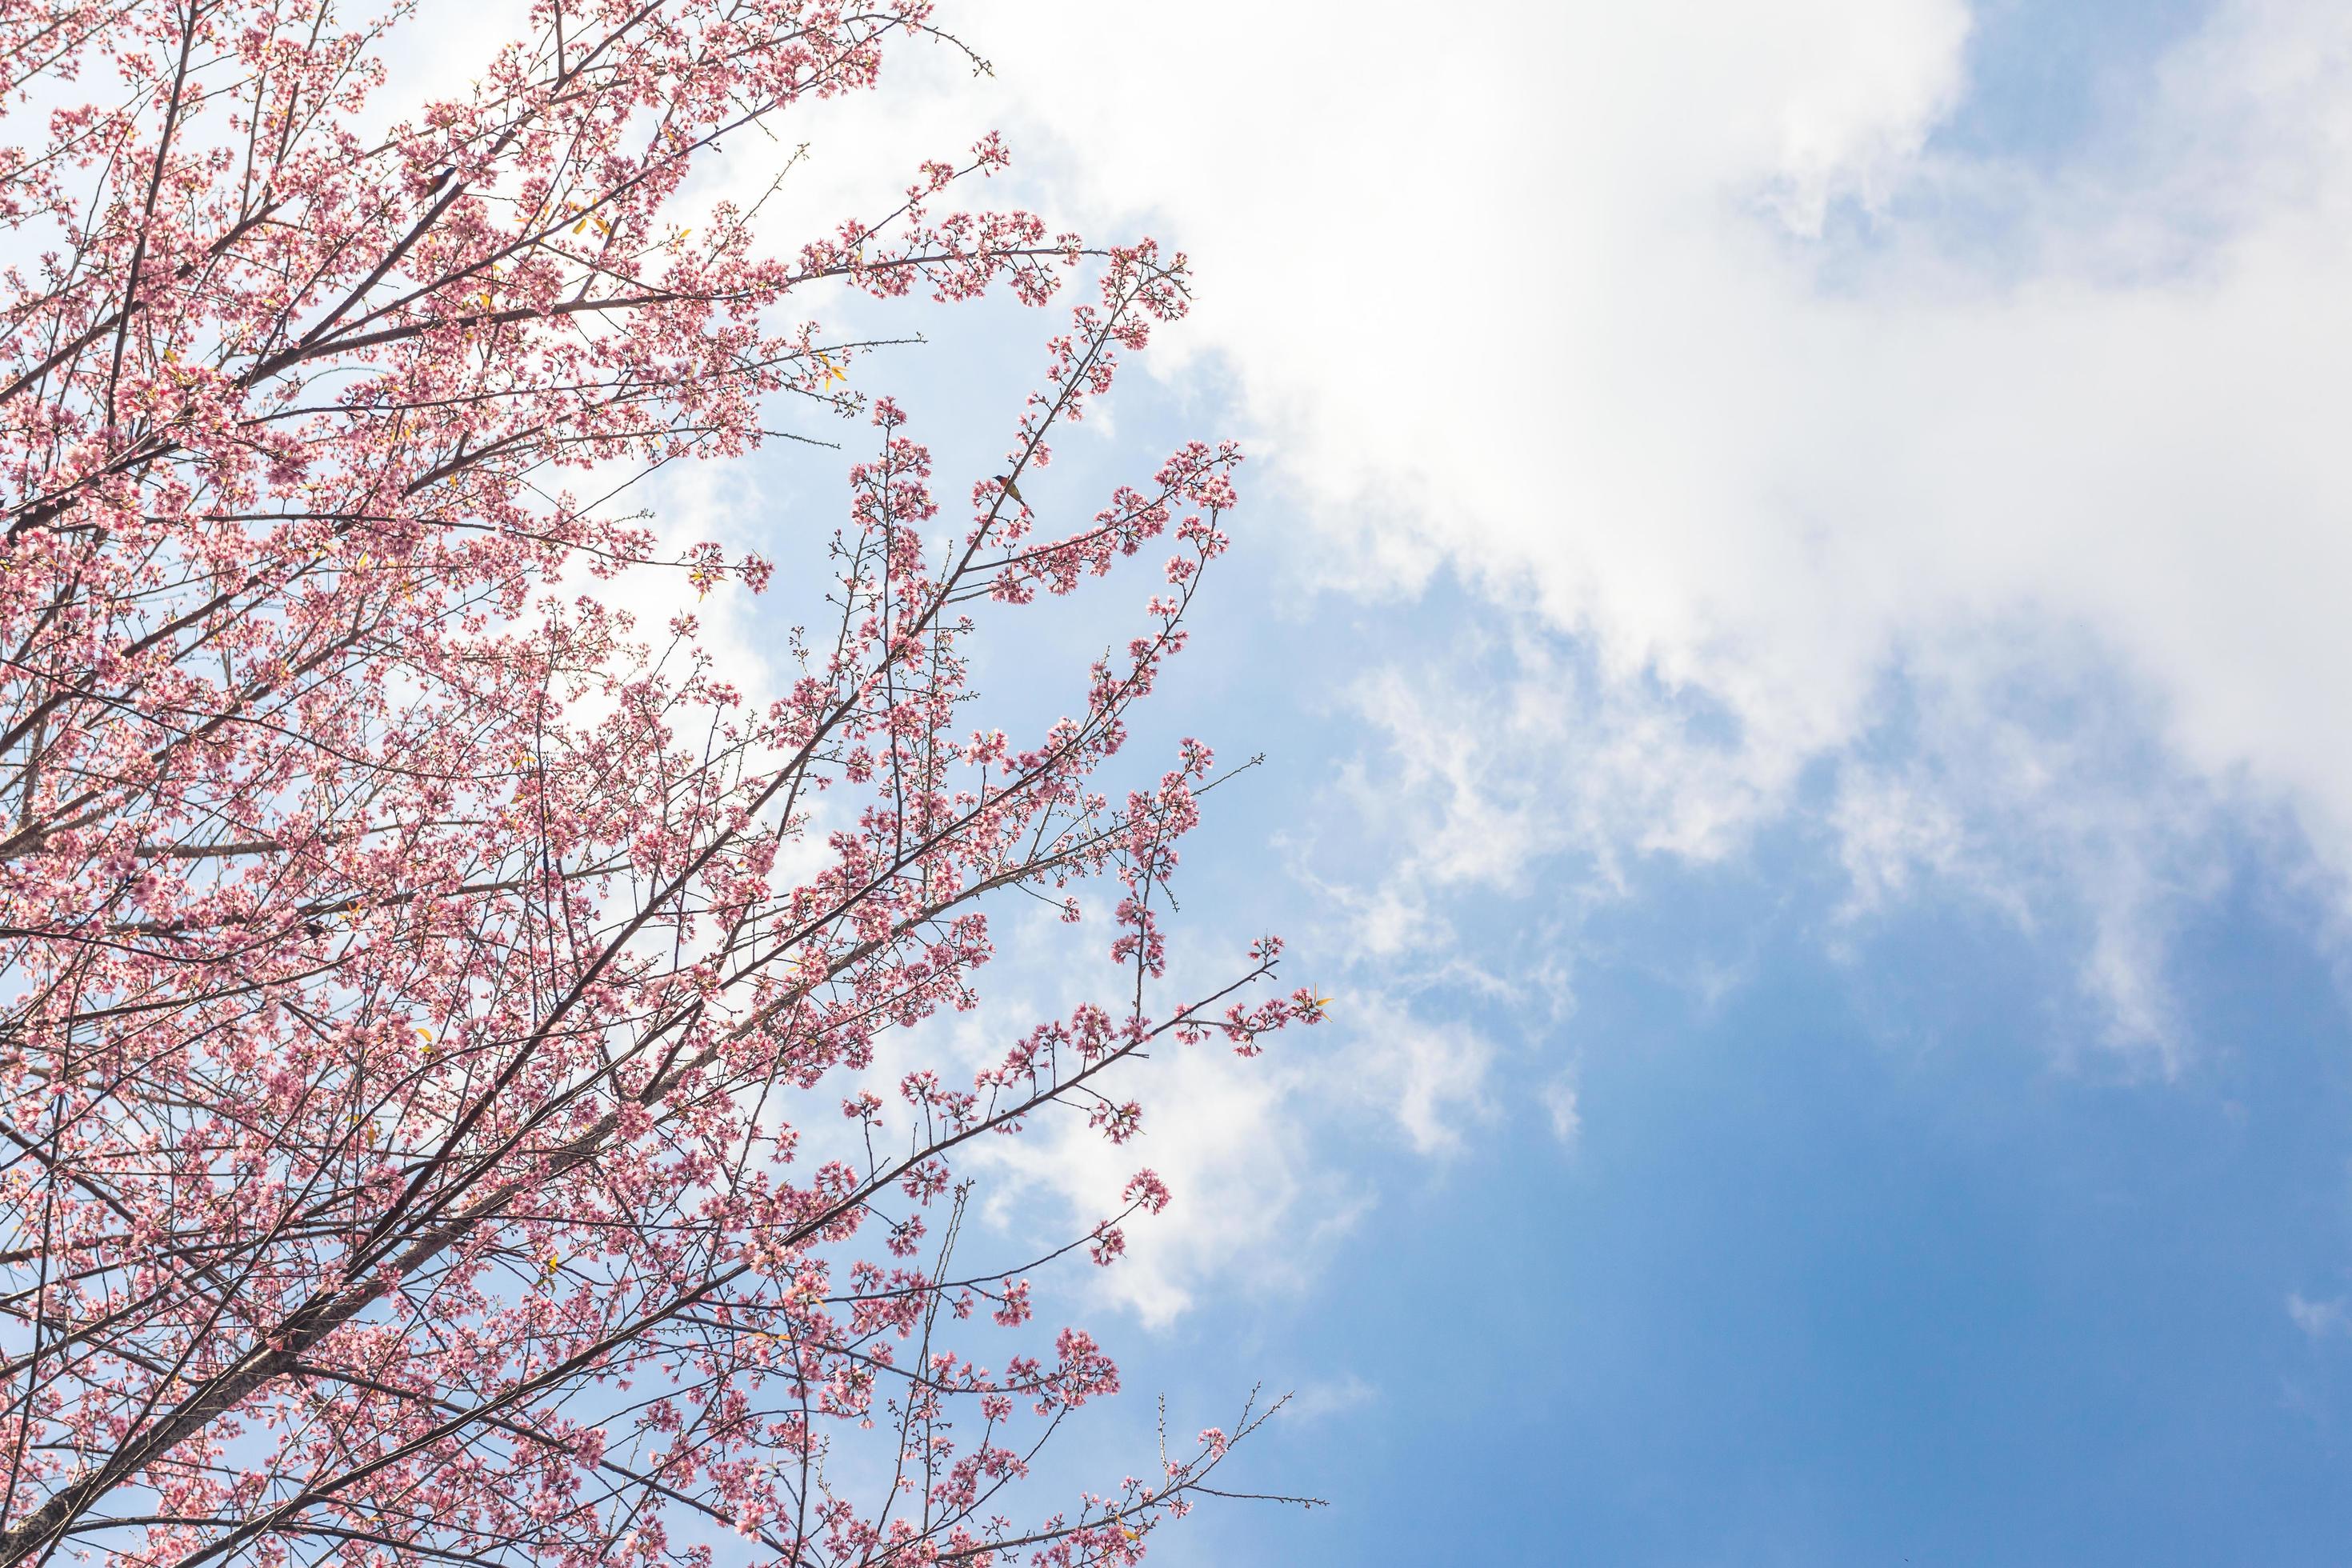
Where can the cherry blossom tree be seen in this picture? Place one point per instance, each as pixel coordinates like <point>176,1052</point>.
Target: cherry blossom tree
<point>464,1066</point>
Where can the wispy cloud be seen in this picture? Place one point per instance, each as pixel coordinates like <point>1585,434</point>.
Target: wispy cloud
<point>2319,1318</point>
<point>1560,1104</point>
<point>1330,1397</point>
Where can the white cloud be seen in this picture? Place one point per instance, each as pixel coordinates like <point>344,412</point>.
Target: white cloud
<point>1560,1103</point>
<point>1232,1139</point>
<point>1559,297</point>
<point>1332,1396</point>
<point>1430,1077</point>
<point>1258,1204</point>
<point>2319,1318</point>
<point>2037,796</point>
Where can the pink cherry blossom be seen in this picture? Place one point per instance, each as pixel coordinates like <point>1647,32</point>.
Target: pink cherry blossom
<point>437,1129</point>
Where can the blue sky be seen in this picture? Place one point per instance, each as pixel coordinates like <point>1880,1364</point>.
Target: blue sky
<point>1802,720</point>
